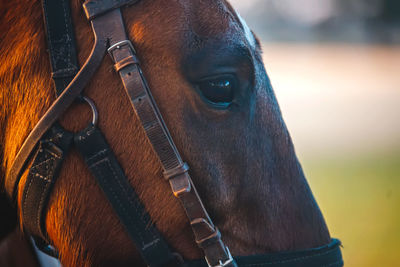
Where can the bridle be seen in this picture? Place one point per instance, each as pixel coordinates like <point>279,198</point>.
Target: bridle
<point>48,143</point>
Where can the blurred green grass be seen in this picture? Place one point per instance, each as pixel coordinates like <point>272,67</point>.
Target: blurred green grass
<point>359,196</point>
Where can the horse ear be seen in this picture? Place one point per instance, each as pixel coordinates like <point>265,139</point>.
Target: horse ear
<point>8,215</point>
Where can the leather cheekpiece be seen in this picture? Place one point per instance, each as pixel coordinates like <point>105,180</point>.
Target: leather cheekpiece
<point>95,8</point>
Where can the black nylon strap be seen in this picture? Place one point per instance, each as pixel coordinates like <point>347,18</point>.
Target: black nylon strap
<point>46,163</point>
<point>54,145</point>
<point>324,256</point>
<point>60,42</point>
<point>60,105</point>
<point>125,202</point>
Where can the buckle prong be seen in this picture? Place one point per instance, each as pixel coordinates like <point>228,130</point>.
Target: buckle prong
<point>118,45</point>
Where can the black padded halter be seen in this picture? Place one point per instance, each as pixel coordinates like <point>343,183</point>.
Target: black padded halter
<point>54,142</point>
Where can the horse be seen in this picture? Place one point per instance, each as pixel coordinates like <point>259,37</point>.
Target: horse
<point>204,67</point>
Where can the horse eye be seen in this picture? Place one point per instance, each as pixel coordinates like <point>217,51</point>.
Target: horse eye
<point>218,91</point>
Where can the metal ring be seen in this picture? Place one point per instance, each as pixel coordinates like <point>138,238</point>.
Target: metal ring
<point>119,45</point>
<point>95,116</point>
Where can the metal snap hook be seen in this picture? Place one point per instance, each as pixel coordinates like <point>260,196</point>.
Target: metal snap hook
<point>95,114</point>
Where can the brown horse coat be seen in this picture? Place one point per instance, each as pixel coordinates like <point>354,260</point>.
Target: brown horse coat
<point>242,158</point>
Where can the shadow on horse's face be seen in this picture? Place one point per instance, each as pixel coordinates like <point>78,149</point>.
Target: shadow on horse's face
<point>205,71</point>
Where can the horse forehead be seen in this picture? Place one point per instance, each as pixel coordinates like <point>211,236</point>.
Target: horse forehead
<point>208,18</point>
<point>174,20</point>
<point>181,26</point>
<point>217,18</point>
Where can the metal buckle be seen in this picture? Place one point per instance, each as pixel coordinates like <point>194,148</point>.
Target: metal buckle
<point>222,263</point>
<point>119,45</point>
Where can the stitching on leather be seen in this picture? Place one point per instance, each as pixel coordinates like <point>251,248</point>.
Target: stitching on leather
<point>49,32</point>
<point>44,178</point>
<point>26,193</point>
<point>62,71</point>
<point>32,174</point>
<point>38,215</point>
<point>49,171</point>
<point>53,154</point>
<point>58,54</point>
<point>67,34</point>
<point>42,162</point>
<point>97,154</point>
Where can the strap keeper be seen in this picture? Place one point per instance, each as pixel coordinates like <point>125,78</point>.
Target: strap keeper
<point>181,169</point>
<point>224,263</point>
<point>64,73</point>
<point>209,240</point>
<point>126,62</point>
<point>95,8</point>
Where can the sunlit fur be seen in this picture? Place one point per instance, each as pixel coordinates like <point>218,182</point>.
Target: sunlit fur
<point>242,161</point>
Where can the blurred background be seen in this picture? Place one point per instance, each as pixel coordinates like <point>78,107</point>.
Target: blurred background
<point>335,68</point>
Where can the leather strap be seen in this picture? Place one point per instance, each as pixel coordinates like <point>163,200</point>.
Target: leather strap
<point>176,171</point>
<point>60,42</point>
<point>95,8</point>
<point>327,255</point>
<point>41,178</point>
<point>66,98</point>
<point>109,29</point>
<point>52,148</point>
<point>122,197</point>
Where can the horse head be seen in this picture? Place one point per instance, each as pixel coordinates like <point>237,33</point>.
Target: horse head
<point>206,74</point>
